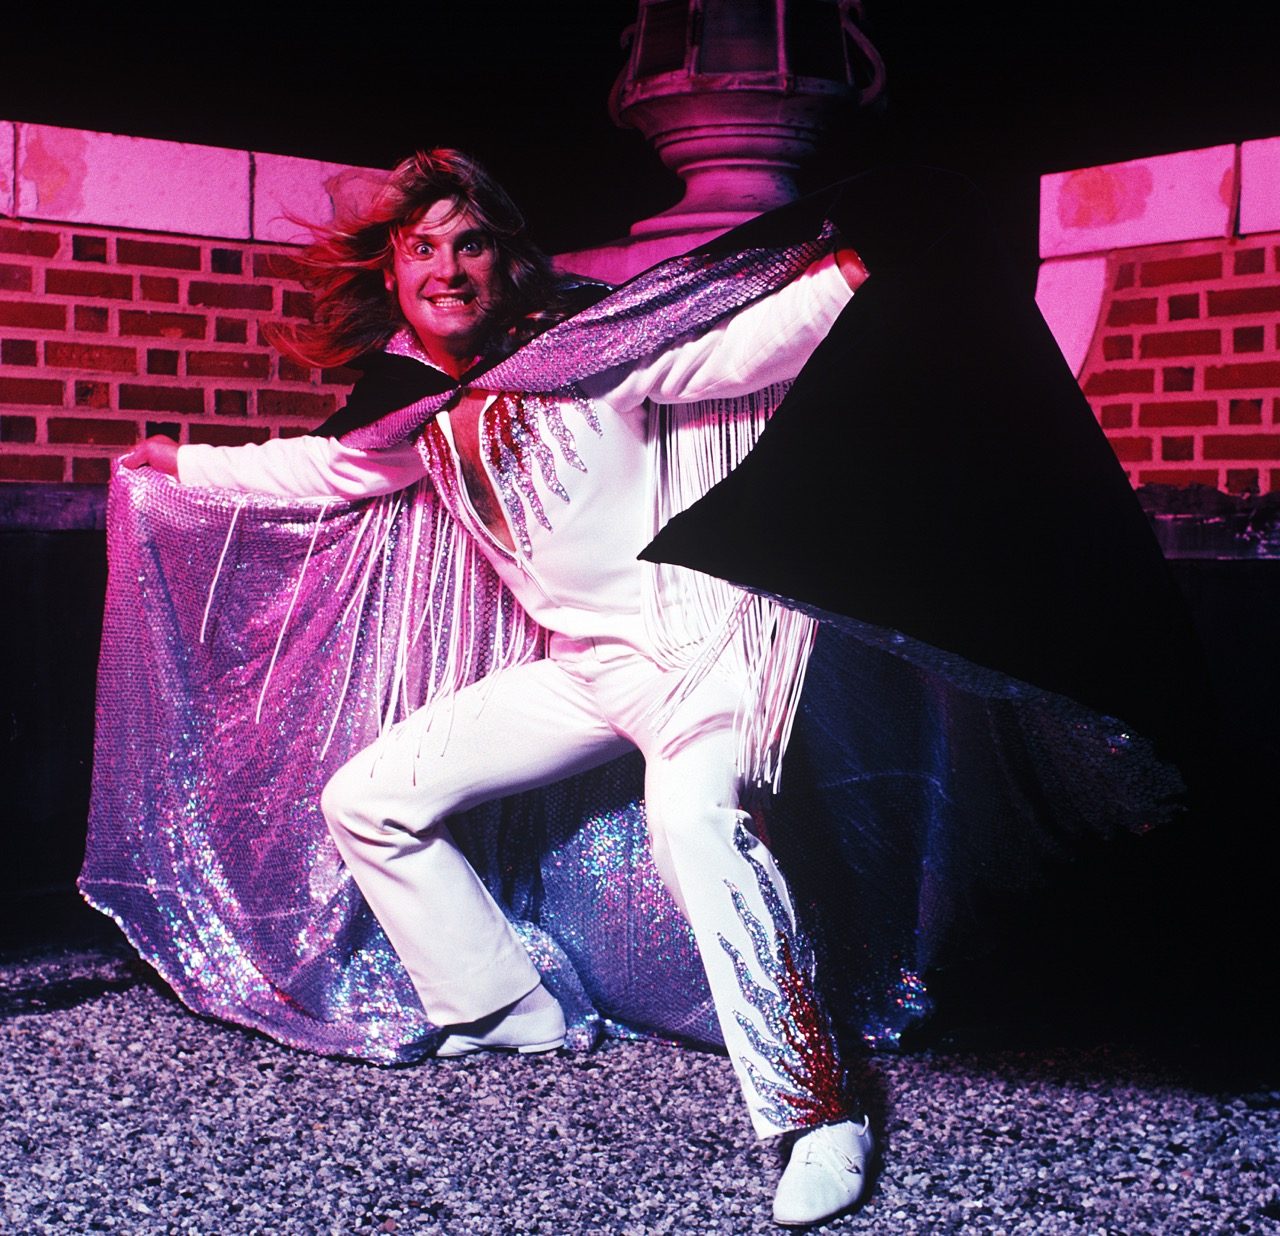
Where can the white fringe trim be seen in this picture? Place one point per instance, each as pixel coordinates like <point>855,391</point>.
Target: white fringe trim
<point>695,621</point>
<point>439,618</point>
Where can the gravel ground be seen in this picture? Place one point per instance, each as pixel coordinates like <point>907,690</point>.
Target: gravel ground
<point>123,1112</point>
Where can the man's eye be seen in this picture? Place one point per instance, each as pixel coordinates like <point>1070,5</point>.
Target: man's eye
<point>421,249</point>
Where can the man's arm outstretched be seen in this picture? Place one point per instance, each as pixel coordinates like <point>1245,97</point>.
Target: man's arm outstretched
<point>302,467</point>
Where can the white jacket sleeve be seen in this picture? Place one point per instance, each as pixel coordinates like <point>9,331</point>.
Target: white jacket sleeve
<point>768,341</point>
<point>303,467</point>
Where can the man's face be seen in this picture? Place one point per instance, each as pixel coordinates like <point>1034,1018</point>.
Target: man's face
<point>446,277</point>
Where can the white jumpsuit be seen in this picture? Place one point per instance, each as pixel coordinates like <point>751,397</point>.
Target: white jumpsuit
<point>590,700</point>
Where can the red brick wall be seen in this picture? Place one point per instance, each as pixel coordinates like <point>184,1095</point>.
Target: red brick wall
<point>107,336</point>
<point>1184,369</point>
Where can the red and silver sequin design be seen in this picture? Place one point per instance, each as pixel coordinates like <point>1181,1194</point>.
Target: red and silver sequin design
<point>514,430</point>
<point>811,1086</point>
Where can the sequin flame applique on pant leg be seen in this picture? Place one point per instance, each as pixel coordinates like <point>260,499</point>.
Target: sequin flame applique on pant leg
<point>797,1042</point>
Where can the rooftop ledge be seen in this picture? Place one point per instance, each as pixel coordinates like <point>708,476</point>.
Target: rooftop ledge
<point>62,175</point>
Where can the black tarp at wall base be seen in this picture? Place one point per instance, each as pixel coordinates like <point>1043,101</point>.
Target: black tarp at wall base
<point>50,626</point>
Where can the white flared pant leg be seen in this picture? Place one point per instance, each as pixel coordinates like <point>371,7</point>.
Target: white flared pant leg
<point>526,727</point>
<point>729,888</point>
<point>386,809</point>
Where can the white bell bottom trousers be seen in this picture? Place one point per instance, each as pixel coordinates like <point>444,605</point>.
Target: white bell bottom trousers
<point>586,703</point>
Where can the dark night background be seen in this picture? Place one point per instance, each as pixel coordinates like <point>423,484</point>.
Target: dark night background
<point>993,89</point>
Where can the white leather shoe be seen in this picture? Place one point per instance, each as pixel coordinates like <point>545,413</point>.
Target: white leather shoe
<point>534,1024</point>
<point>826,1174</point>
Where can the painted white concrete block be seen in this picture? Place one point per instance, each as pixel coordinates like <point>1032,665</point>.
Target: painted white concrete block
<point>6,167</point>
<point>1184,196</point>
<point>77,176</point>
<point>307,189</point>
<point>1260,186</point>
<point>1069,292</point>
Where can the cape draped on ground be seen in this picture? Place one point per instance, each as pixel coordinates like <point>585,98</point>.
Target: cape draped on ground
<point>251,645</point>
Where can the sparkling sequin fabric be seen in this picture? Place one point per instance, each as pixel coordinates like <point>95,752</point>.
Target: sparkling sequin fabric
<point>915,784</point>
<point>512,433</point>
<point>682,295</point>
<point>251,645</point>
<point>206,841</point>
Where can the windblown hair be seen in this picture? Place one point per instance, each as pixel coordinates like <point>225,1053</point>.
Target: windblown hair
<point>343,266</point>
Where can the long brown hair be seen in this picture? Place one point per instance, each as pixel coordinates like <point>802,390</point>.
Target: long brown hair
<point>343,266</point>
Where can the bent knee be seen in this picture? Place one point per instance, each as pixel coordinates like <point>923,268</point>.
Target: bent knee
<point>341,798</point>
<point>681,819</point>
<point>356,801</point>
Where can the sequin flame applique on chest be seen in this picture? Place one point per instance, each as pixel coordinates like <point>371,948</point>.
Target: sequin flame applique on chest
<point>516,433</point>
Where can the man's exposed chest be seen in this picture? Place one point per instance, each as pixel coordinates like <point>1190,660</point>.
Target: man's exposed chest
<point>465,419</point>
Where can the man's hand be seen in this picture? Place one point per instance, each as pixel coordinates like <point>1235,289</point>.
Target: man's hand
<point>158,452</point>
<point>851,267</point>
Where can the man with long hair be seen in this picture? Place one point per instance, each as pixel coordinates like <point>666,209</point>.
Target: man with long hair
<point>435,282</point>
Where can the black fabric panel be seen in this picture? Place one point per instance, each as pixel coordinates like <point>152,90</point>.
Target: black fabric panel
<point>388,382</point>
<point>937,470</point>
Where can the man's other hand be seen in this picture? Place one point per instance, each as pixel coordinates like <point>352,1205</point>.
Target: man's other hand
<point>158,452</point>
<point>851,267</point>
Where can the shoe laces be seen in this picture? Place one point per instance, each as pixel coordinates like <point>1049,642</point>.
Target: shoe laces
<point>819,1148</point>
